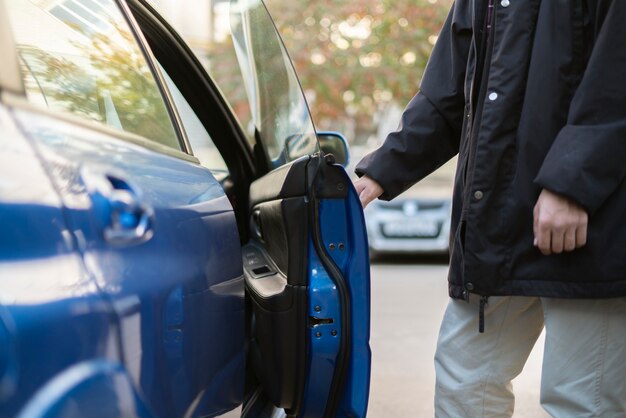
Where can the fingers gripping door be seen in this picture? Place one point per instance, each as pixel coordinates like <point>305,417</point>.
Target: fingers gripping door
<point>304,344</point>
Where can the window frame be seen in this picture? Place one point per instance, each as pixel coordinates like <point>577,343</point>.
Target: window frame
<point>237,153</point>
<point>245,163</point>
<point>142,43</point>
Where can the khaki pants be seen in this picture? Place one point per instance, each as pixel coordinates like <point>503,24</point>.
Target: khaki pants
<point>584,365</point>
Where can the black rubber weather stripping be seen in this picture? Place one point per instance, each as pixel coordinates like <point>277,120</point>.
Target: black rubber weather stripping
<point>337,386</point>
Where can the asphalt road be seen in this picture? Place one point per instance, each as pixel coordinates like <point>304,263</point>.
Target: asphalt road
<point>408,301</point>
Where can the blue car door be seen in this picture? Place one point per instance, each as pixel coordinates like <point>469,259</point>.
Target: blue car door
<point>154,227</point>
<point>306,263</point>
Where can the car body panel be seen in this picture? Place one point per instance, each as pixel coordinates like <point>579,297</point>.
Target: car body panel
<point>51,312</point>
<point>323,303</point>
<point>95,388</point>
<point>172,289</point>
<point>346,244</point>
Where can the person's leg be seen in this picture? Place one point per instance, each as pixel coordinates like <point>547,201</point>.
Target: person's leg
<point>584,363</point>
<point>474,370</point>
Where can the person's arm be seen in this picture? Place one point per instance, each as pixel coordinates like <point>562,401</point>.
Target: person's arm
<point>430,129</point>
<point>587,161</point>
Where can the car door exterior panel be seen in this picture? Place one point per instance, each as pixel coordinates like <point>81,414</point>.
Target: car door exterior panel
<point>52,316</point>
<point>177,288</point>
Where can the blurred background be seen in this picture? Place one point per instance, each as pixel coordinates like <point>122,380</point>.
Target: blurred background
<point>359,63</point>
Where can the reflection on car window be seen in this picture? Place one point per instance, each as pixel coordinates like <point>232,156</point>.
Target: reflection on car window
<point>204,25</point>
<point>236,39</point>
<point>202,145</point>
<point>79,56</point>
<point>281,113</point>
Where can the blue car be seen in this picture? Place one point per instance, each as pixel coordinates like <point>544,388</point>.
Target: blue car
<point>174,242</point>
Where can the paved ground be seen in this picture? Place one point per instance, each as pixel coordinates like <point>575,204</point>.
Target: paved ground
<point>408,301</point>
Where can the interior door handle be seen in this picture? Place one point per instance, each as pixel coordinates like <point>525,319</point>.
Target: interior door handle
<point>125,219</point>
<point>256,224</point>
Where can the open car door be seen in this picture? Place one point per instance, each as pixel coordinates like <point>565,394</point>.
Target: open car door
<point>306,264</point>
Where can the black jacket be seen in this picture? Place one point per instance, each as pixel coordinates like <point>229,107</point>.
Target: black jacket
<point>540,104</point>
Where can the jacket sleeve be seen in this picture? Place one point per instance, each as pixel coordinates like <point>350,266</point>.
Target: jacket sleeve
<point>587,160</point>
<point>430,128</point>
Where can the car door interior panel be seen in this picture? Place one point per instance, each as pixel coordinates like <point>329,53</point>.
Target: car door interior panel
<point>279,245</point>
<point>304,260</point>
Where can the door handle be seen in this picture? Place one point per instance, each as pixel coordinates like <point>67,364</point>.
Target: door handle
<point>124,218</point>
<point>130,220</point>
<point>256,224</point>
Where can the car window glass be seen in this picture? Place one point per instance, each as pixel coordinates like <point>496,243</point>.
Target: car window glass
<point>202,145</point>
<point>80,56</point>
<point>238,45</point>
<point>280,109</point>
<point>205,28</point>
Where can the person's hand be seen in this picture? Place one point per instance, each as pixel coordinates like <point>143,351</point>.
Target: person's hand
<point>560,224</point>
<point>367,189</point>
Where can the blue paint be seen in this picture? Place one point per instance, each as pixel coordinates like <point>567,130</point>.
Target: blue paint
<point>121,288</point>
<point>323,346</point>
<point>167,308</point>
<point>344,237</point>
<point>342,222</point>
<point>95,388</point>
<point>51,313</point>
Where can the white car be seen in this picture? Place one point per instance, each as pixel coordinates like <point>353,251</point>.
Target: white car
<point>417,221</point>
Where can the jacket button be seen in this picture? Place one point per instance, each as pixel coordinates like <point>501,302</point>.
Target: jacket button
<point>493,96</point>
<point>478,195</point>
<point>469,286</point>
<point>505,3</point>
